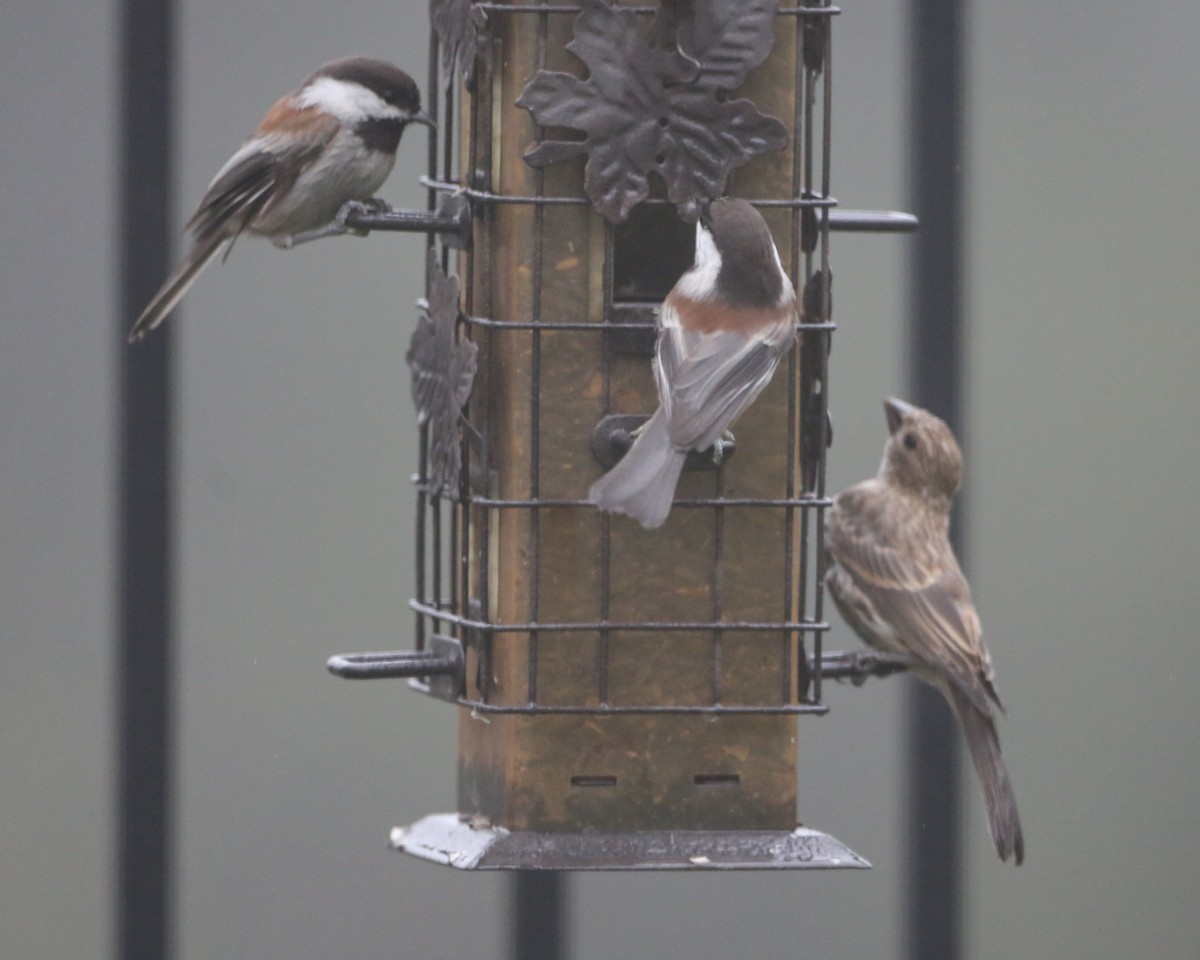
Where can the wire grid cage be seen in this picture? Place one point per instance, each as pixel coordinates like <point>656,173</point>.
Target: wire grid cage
<point>456,537</point>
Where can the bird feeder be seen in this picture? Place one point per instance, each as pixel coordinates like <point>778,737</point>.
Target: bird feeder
<point>628,698</point>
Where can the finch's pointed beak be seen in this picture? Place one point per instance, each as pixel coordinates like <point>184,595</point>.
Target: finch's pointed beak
<point>424,118</point>
<point>896,410</point>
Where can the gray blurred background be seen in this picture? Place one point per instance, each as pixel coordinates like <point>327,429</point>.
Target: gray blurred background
<point>296,439</point>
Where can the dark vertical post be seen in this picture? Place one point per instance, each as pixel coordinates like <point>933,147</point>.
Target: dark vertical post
<point>144,776</point>
<point>935,364</point>
<point>539,915</point>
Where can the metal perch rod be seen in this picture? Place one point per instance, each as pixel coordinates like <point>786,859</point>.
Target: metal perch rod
<point>856,666</point>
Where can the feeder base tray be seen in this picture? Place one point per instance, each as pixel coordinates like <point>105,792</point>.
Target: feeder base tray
<point>456,841</point>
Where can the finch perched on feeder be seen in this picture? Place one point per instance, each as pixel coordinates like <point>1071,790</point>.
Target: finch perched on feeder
<point>330,142</point>
<point>896,581</point>
<point>721,333</point>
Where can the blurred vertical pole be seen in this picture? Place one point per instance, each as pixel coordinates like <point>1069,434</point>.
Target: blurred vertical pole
<point>934,906</point>
<point>539,912</point>
<point>145,892</point>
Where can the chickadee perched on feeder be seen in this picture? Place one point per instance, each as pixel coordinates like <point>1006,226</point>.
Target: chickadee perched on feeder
<point>897,583</point>
<point>331,141</point>
<point>721,332</point>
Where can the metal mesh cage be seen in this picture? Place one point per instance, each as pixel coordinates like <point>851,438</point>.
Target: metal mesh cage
<point>571,349</point>
<point>630,693</point>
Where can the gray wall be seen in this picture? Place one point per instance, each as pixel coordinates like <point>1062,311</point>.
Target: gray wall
<point>296,441</point>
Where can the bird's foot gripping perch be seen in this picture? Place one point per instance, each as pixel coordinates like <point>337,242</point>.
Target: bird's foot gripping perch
<point>859,665</point>
<point>351,207</point>
<point>725,441</point>
<point>339,226</point>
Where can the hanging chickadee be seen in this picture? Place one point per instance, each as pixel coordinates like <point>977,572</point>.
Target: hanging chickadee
<point>896,581</point>
<point>331,141</point>
<point>721,333</point>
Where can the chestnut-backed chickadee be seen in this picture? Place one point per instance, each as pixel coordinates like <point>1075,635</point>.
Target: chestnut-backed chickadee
<point>331,141</point>
<point>721,332</point>
<point>896,581</point>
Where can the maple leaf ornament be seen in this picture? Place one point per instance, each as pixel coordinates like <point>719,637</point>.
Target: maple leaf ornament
<point>660,108</point>
<point>443,371</point>
<point>456,24</point>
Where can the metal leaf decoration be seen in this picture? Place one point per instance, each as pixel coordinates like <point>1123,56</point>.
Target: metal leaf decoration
<point>443,370</point>
<point>660,108</point>
<point>456,23</point>
<point>814,356</point>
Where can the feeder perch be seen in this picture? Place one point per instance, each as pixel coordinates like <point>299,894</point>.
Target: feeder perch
<point>628,698</point>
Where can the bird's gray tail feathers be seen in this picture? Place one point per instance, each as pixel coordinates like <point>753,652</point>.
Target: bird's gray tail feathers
<point>176,286</point>
<point>984,744</point>
<point>642,484</point>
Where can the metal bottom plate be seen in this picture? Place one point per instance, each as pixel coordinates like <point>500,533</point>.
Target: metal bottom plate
<point>451,839</point>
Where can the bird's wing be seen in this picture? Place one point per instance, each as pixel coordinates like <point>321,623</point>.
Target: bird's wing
<point>706,380</point>
<point>262,171</point>
<point>921,593</point>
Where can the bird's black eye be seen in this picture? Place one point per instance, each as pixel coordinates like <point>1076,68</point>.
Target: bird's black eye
<point>910,441</point>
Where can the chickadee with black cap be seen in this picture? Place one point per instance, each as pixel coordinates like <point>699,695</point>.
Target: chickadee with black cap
<point>721,333</point>
<point>896,581</point>
<point>330,142</point>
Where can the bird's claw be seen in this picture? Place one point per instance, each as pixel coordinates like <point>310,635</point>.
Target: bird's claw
<point>351,207</point>
<point>860,668</point>
<point>718,448</point>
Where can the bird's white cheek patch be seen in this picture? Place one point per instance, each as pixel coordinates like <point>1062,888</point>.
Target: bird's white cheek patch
<point>349,102</point>
<point>700,282</point>
<point>788,293</point>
